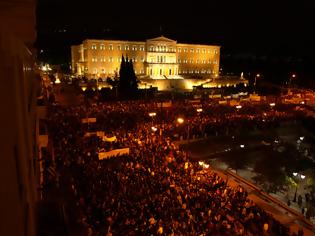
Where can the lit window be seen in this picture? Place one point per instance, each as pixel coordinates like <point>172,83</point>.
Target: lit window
<point>94,59</point>
<point>110,59</point>
<point>93,46</point>
<point>141,48</point>
<point>95,70</point>
<point>127,47</point>
<point>197,61</point>
<point>203,50</point>
<point>110,47</point>
<point>102,47</point>
<point>141,71</point>
<point>209,61</point>
<point>179,50</point>
<point>203,61</point>
<point>215,62</point>
<point>179,60</point>
<point>103,70</point>
<point>191,61</point>
<point>142,59</point>
<point>191,50</point>
<point>151,48</point>
<point>185,50</point>
<point>209,50</point>
<point>215,51</point>
<point>135,59</point>
<point>119,47</point>
<point>197,50</point>
<point>134,48</point>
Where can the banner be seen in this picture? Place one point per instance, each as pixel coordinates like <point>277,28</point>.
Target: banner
<point>113,153</point>
<point>111,139</point>
<point>88,120</point>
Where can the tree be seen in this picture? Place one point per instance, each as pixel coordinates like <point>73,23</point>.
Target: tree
<point>128,83</point>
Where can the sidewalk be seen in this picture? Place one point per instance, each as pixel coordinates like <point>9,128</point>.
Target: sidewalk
<point>286,216</point>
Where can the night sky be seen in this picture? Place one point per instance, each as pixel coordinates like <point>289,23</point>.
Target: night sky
<point>263,29</point>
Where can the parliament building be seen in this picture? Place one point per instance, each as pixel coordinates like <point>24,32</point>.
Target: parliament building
<point>157,58</point>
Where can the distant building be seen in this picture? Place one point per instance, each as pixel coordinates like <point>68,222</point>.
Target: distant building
<point>157,58</point>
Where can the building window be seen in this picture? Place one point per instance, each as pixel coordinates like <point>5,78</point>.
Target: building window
<point>134,48</point>
<point>185,50</point>
<point>209,50</point>
<point>119,47</point>
<point>95,71</point>
<point>179,60</point>
<point>209,61</point>
<point>203,61</point>
<point>192,50</point>
<point>142,59</point>
<point>197,50</point>
<point>191,61</point>
<point>134,59</point>
<point>103,70</point>
<point>215,62</point>
<point>141,71</point>
<point>102,47</point>
<point>110,47</point>
<point>151,48</point>
<point>203,50</point>
<point>215,51</point>
<point>141,48</point>
<point>197,61</point>
<point>110,59</point>
<point>93,47</point>
<point>94,59</point>
<point>127,47</point>
<point>179,50</point>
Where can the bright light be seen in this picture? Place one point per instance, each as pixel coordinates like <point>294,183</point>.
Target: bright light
<point>57,81</point>
<point>154,129</point>
<point>238,107</point>
<point>302,102</point>
<point>258,75</point>
<point>199,110</point>
<point>302,176</point>
<point>294,75</point>
<point>83,89</point>
<point>151,114</point>
<point>272,104</point>
<point>180,120</point>
<point>99,87</point>
<point>265,114</point>
<point>302,138</point>
<point>200,163</point>
<point>242,145</point>
<point>206,166</point>
<point>295,174</point>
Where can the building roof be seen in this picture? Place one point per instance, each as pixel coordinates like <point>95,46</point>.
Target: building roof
<point>162,39</point>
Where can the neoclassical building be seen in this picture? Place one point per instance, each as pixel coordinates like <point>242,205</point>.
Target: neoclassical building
<point>157,58</point>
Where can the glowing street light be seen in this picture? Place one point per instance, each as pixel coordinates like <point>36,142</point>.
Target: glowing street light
<point>180,120</point>
<point>302,138</point>
<point>83,89</point>
<point>242,145</point>
<point>238,107</point>
<point>295,174</point>
<point>272,104</point>
<point>302,176</point>
<point>154,129</point>
<point>152,114</point>
<point>200,163</point>
<point>99,87</point>
<point>199,110</point>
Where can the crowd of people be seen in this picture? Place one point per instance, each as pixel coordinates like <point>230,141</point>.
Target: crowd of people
<point>156,189</point>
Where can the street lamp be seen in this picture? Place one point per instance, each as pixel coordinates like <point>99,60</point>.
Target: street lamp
<point>180,120</point>
<point>256,76</point>
<point>298,176</point>
<point>152,114</point>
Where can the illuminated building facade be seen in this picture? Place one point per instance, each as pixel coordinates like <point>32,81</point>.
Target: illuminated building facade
<point>157,58</point>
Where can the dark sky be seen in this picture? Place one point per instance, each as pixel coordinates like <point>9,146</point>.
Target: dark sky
<point>262,27</point>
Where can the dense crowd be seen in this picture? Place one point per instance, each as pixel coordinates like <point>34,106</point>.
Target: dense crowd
<point>156,189</point>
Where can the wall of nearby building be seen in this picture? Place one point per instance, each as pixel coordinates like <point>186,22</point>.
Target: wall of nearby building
<point>18,194</point>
